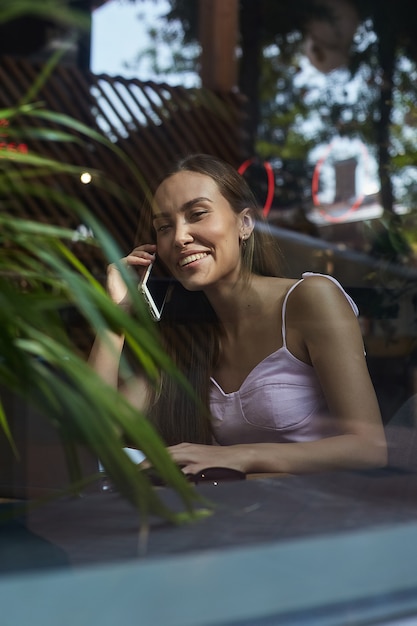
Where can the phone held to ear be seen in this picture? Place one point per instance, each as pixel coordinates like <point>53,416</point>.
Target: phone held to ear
<point>156,291</point>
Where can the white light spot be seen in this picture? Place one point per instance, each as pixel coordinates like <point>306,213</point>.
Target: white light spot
<point>86,178</point>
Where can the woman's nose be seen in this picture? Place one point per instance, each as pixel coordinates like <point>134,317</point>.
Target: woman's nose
<point>182,235</point>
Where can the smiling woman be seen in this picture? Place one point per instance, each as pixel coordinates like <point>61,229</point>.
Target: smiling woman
<point>198,236</point>
<point>274,361</point>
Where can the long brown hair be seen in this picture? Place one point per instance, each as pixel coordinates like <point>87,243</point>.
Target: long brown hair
<point>194,344</point>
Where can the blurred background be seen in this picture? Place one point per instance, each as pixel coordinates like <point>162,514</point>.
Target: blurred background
<point>314,101</point>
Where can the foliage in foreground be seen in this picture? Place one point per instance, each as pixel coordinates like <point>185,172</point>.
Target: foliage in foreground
<point>40,278</point>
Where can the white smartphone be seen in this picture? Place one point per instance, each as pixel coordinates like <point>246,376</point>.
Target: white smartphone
<point>156,291</point>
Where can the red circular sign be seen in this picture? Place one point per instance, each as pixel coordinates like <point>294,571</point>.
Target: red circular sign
<point>315,188</point>
<point>271,182</point>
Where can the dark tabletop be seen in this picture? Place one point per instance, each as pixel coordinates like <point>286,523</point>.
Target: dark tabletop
<point>104,528</point>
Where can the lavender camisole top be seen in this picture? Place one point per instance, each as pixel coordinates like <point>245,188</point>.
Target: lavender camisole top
<point>280,400</point>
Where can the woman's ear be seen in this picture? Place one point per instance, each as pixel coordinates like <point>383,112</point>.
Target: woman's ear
<point>247,223</point>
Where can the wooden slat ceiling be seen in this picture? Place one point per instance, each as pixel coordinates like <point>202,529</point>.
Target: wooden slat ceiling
<point>151,123</point>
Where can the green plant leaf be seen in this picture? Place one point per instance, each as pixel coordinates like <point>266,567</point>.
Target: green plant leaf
<point>41,277</point>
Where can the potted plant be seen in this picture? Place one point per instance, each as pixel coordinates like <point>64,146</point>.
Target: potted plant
<point>40,276</point>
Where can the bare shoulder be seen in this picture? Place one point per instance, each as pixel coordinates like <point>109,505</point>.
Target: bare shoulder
<point>314,296</point>
<point>321,296</point>
<point>274,287</point>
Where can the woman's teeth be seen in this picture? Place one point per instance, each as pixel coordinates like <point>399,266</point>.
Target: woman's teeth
<point>193,257</point>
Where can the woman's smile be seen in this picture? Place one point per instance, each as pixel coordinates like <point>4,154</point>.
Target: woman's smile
<point>190,258</point>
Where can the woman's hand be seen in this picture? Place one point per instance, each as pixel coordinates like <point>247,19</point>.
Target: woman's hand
<point>140,258</point>
<point>195,457</point>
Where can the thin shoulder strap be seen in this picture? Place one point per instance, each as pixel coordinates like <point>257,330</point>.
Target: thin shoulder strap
<point>305,275</point>
<point>336,282</point>
<point>284,309</point>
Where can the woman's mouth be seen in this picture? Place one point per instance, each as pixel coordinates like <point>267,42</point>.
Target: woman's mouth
<point>190,258</point>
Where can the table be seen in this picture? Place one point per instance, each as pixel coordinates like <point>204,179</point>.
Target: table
<point>305,550</point>
<point>288,542</point>
<point>103,528</point>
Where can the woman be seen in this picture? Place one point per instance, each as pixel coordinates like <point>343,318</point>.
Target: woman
<point>280,366</point>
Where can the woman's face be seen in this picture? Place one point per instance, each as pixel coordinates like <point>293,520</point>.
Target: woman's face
<point>198,233</point>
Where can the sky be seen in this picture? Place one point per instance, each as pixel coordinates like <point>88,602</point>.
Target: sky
<point>119,33</point>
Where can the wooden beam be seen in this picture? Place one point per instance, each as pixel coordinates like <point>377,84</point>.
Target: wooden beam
<point>218,24</point>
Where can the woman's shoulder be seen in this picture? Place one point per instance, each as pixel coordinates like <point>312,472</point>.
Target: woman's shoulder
<point>307,278</point>
<point>276,285</point>
<point>312,291</point>
<point>319,292</point>
<point>303,288</point>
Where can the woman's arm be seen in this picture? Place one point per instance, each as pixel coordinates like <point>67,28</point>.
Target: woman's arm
<point>105,356</point>
<point>320,319</point>
<point>107,348</point>
<point>330,330</point>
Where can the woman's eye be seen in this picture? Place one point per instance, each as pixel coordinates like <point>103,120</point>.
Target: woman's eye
<point>197,214</point>
<point>162,228</point>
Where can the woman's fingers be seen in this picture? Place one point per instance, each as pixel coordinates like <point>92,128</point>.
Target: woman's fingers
<point>194,457</point>
<point>140,257</point>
